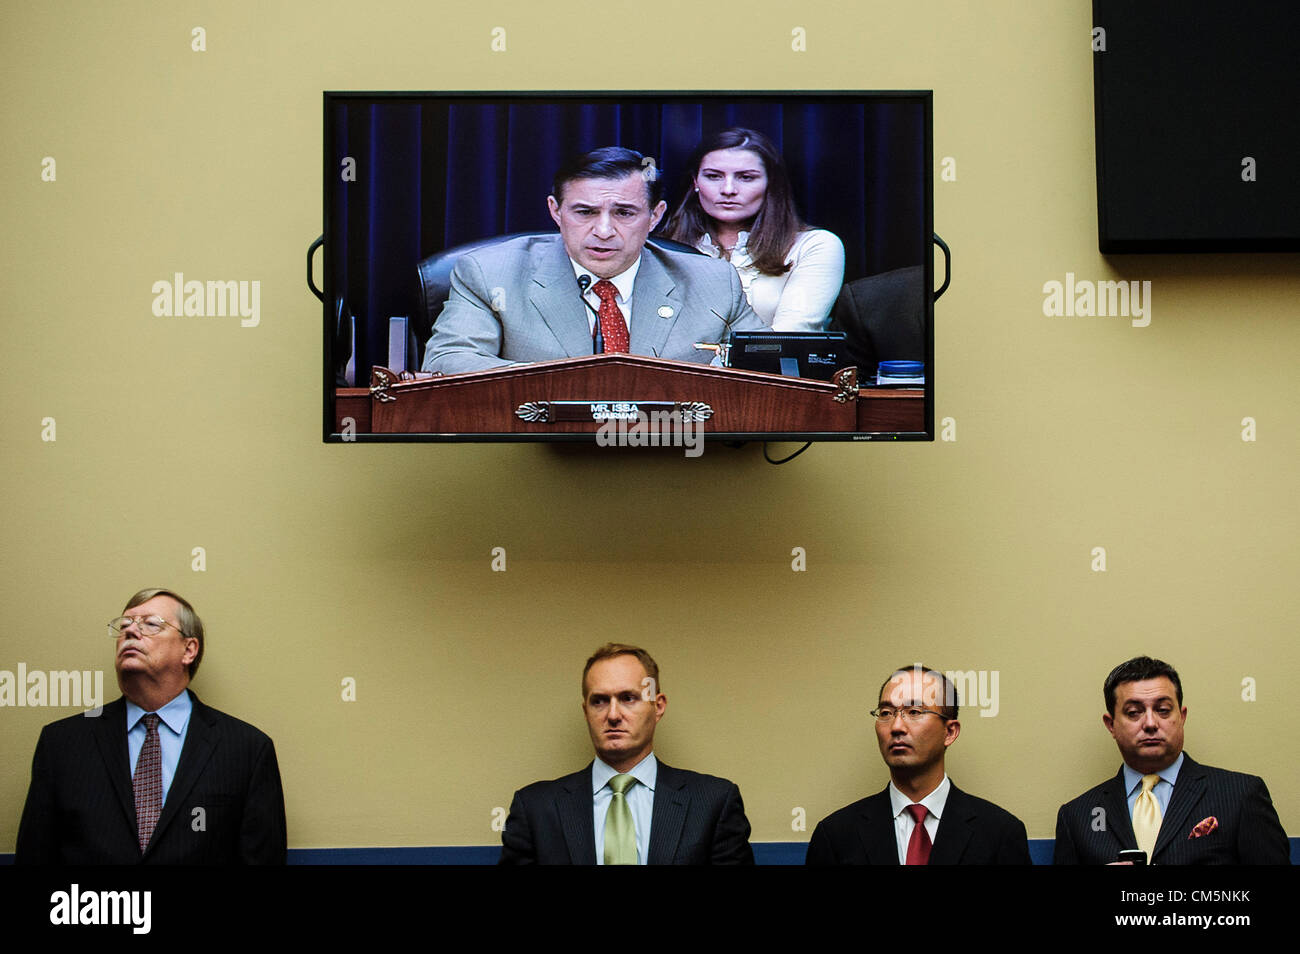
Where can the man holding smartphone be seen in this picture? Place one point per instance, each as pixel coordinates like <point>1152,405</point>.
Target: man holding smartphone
<point>1164,805</point>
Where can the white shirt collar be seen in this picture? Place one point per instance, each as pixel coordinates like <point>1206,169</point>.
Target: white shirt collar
<point>710,247</point>
<point>622,281</point>
<point>934,802</point>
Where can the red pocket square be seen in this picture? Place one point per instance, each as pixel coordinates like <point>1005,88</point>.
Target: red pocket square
<point>1204,827</point>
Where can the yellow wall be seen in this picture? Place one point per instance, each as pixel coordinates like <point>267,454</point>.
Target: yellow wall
<point>973,554</point>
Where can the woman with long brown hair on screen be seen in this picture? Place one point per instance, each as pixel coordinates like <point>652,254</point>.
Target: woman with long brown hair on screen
<point>740,207</point>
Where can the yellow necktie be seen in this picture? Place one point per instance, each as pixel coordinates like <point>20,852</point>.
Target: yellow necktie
<point>1146,816</point>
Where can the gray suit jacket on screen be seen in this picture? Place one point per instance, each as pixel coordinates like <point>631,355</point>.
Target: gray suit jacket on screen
<point>519,301</point>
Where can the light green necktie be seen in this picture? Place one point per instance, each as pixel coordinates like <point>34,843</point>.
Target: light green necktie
<point>1146,816</point>
<point>620,830</point>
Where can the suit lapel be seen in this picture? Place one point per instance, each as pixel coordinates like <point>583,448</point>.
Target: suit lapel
<point>954,829</point>
<point>200,740</point>
<point>110,739</point>
<point>1187,793</point>
<point>573,805</point>
<point>652,294</point>
<point>876,831</point>
<point>553,291</point>
<point>1114,800</point>
<point>671,804</point>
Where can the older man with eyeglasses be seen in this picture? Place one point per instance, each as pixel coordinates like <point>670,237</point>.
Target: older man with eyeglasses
<point>158,777</point>
<point>921,817</point>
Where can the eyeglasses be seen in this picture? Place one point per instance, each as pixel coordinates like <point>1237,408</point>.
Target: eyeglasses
<point>145,625</point>
<point>910,714</point>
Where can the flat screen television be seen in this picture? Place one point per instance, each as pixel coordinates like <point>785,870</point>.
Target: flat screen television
<point>413,180</point>
<point>1195,152</point>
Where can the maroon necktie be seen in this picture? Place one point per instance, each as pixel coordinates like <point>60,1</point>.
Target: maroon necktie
<point>147,783</point>
<point>918,849</point>
<point>612,325</point>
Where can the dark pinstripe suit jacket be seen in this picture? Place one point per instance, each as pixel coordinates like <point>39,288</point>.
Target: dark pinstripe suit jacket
<point>973,831</point>
<point>696,820</point>
<point>1237,807</point>
<point>81,811</point>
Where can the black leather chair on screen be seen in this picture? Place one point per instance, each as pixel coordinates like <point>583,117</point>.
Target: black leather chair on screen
<point>883,318</point>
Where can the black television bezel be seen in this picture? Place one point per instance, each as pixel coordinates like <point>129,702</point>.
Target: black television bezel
<point>924,98</point>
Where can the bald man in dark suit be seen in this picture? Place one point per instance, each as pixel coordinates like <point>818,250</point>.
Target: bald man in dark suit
<point>920,818</point>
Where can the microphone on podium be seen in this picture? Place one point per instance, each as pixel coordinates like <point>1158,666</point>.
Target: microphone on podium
<point>597,339</point>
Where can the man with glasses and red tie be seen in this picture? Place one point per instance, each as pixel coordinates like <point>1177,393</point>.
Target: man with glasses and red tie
<point>921,818</point>
<point>158,777</point>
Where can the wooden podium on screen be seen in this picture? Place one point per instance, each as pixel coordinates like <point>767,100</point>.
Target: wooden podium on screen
<point>576,396</point>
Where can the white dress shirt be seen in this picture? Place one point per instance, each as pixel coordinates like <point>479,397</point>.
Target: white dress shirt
<point>904,824</point>
<point>622,281</point>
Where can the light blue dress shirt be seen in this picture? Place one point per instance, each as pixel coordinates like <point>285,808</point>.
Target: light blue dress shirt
<point>1161,790</point>
<point>640,799</point>
<point>173,722</point>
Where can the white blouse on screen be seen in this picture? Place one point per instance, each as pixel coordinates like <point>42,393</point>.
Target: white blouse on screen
<point>801,299</point>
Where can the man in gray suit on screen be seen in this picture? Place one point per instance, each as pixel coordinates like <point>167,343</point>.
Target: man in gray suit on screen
<point>538,298</point>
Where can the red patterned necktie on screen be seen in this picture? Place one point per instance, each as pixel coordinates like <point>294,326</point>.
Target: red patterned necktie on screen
<point>147,782</point>
<point>918,849</point>
<point>612,325</point>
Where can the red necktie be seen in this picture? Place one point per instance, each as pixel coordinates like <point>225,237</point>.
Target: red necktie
<point>147,783</point>
<point>918,849</point>
<point>612,325</point>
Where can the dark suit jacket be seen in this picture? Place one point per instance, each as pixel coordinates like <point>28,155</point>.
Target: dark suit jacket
<point>519,301</point>
<point>971,832</point>
<point>1091,829</point>
<point>883,317</point>
<point>697,820</point>
<point>81,811</point>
